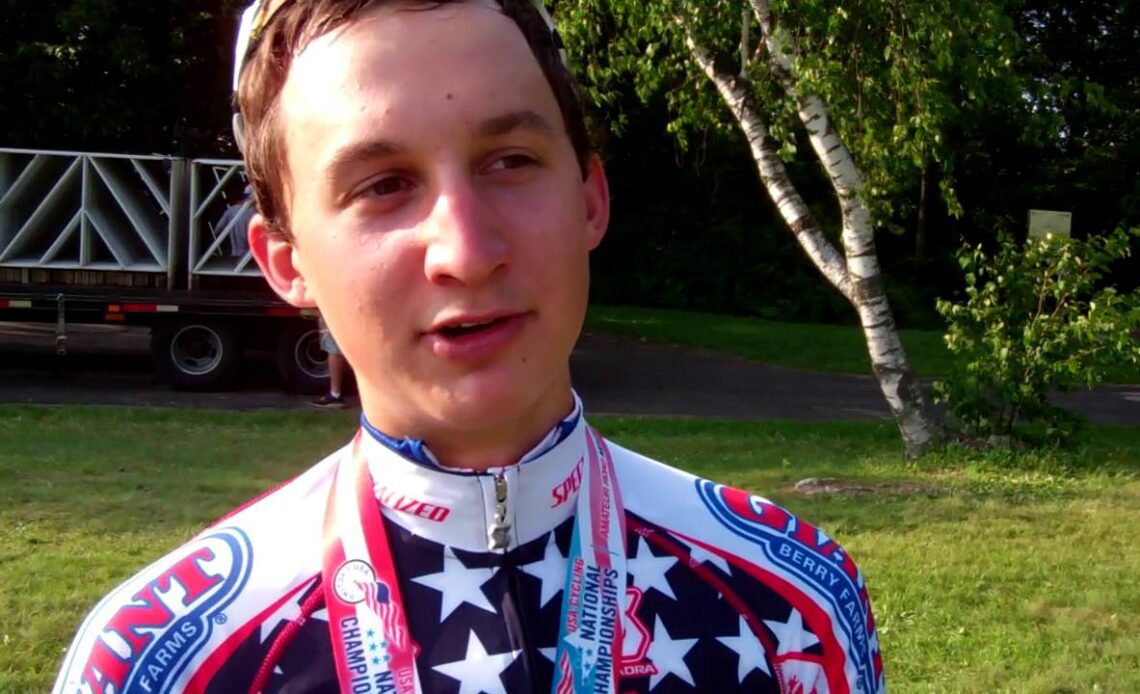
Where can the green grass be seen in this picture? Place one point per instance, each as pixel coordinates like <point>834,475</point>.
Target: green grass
<point>814,347</point>
<point>1000,574</point>
<point>833,348</point>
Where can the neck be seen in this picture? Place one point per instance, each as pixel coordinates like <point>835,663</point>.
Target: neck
<point>481,447</point>
<point>469,453</point>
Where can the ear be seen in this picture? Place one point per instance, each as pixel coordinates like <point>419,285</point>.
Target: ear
<point>276,255</point>
<point>597,192</point>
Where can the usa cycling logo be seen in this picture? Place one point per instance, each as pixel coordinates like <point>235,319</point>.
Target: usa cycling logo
<point>809,556</point>
<point>148,642</point>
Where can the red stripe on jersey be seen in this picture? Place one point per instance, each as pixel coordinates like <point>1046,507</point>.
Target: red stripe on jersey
<point>221,654</point>
<point>815,617</point>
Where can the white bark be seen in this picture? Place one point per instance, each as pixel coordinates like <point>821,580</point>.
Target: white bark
<point>774,174</point>
<point>856,273</point>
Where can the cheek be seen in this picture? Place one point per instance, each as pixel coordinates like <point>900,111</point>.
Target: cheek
<point>366,276</point>
<point>392,284</point>
<point>555,231</point>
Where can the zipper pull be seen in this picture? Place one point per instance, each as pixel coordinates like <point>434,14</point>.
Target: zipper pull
<point>499,534</point>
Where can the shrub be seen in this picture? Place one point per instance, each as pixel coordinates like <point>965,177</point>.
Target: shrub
<point>1035,319</point>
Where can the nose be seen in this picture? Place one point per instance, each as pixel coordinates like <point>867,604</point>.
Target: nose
<point>465,243</point>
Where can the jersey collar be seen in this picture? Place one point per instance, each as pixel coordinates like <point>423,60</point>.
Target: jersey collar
<point>457,507</point>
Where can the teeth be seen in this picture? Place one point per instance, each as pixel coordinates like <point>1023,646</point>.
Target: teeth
<point>468,326</point>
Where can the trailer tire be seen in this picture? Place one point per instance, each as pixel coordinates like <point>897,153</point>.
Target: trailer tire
<point>302,363</point>
<point>197,355</point>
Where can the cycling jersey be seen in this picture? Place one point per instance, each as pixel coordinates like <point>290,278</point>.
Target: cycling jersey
<point>725,591</point>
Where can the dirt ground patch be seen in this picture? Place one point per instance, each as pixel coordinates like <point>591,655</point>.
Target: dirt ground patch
<point>828,486</point>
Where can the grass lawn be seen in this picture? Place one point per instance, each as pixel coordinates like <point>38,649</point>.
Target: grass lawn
<point>833,348</point>
<point>1018,576</point>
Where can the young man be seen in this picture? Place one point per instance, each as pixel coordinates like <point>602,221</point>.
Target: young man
<point>423,178</point>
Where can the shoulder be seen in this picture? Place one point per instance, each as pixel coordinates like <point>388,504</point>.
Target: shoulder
<point>735,519</point>
<point>767,543</point>
<point>155,631</point>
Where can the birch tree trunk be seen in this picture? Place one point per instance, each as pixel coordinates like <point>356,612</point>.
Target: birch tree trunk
<point>855,272</point>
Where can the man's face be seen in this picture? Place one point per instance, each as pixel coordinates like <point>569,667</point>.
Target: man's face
<point>440,219</point>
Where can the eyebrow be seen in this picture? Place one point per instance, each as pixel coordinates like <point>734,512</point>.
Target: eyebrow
<point>515,120</point>
<point>353,154</point>
<point>497,126</point>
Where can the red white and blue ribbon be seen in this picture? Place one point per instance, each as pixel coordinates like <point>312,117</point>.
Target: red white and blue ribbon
<point>375,650</point>
<point>372,644</point>
<point>588,658</point>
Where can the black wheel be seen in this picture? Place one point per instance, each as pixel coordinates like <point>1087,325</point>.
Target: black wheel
<point>302,363</point>
<point>196,355</point>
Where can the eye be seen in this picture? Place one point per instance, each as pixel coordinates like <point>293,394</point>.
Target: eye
<point>388,186</point>
<point>511,161</point>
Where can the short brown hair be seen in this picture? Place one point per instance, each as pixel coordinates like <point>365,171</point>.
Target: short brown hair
<point>296,23</point>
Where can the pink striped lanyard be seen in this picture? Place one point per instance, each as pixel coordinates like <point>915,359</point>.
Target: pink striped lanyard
<point>593,597</point>
<point>372,644</point>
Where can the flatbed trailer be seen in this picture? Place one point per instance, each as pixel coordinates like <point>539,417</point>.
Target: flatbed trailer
<point>143,240</point>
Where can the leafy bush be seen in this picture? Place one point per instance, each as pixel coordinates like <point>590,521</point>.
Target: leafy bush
<point>1035,319</point>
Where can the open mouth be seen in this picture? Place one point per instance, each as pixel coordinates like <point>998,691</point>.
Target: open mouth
<point>475,338</point>
<point>465,329</point>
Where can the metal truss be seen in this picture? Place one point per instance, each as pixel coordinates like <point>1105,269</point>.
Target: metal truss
<point>84,211</point>
<point>216,248</point>
<point>113,212</point>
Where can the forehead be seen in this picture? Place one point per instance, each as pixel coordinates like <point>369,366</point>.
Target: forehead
<point>407,69</point>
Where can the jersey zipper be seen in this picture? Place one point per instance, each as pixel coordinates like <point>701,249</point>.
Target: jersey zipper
<point>499,538</point>
<point>522,619</point>
<point>499,532</point>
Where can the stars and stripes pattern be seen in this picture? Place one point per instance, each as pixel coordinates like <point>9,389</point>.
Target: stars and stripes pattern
<point>725,591</point>
<point>697,640</point>
<point>377,597</point>
<point>565,676</point>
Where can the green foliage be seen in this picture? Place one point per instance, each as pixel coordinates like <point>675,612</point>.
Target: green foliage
<point>1081,59</point>
<point>1069,140</point>
<point>126,76</point>
<point>1035,319</point>
<point>894,74</point>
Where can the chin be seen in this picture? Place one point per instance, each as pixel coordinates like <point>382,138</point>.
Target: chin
<point>489,400</point>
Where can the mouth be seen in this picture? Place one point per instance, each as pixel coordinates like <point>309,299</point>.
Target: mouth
<point>476,338</point>
<point>454,330</point>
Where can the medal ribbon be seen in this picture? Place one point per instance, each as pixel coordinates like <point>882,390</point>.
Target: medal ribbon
<point>371,640</point>
<point>593,598</point>
<point>372,644</point>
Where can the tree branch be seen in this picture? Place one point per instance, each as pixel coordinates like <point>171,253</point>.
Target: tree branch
<point>773,173</point>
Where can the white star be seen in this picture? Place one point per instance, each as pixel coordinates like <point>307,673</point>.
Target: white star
<point>750,650</point>
<point>792,636</point>
<point>550,570</point>
<point>286,612</point>
<point>649,571</point>
<point>478,671</point>
<point>701,555</point>
<point>549,653</point>
<point>457,584</point>
<point>668,654</point>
